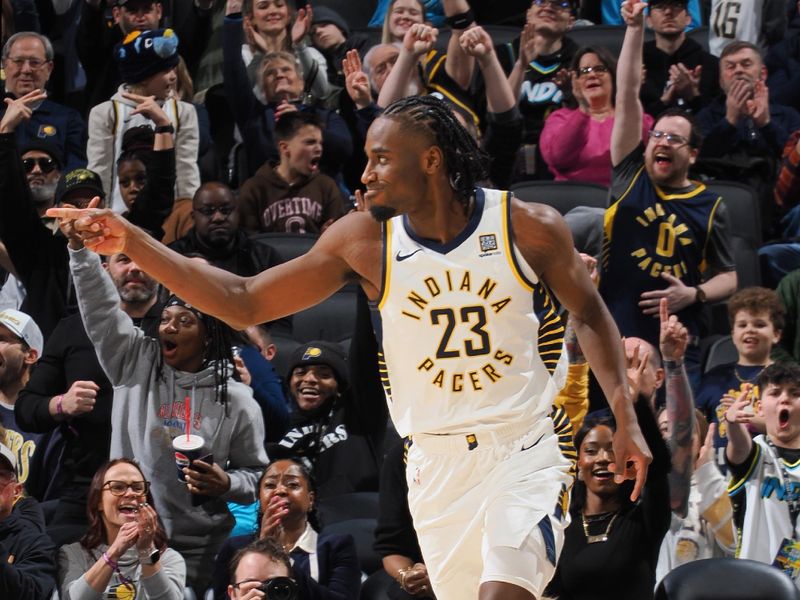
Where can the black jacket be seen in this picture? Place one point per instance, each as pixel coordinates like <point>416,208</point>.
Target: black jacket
<point>68,357</point>
<point>27,556</point>
<point>39,256</point>
<point>246,258</point>
<point>690,54</point>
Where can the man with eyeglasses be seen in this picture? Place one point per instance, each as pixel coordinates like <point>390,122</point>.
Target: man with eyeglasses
<point>27,555</point>
<point>28,63</point>
<point>665,235</point>
<point>678,71</point>
<point>262,571</point>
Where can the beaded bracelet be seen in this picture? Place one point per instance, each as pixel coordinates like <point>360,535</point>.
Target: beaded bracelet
<point>114,566</point>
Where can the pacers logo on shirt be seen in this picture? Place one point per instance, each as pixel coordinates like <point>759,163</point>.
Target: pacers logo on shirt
<point>661,258</point>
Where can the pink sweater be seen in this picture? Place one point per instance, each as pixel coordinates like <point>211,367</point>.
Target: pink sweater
<point>578,148</point>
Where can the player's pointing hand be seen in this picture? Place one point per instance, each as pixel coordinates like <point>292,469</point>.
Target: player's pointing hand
<point>101,230</point>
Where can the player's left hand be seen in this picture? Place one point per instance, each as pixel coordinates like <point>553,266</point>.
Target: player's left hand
<point>674,337</point>
<point>678,295</point>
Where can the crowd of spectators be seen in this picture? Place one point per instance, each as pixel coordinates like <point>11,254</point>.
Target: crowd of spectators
<point>148,450</point>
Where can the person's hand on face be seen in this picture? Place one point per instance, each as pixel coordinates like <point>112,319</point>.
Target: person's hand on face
<point>271,521</point>
<point>147,106</point>
<point>740,92</point>
<point>302,24</point>
<point>206,479</point>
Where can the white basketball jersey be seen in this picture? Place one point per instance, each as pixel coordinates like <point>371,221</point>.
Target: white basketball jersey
<point>766,513</point>
<point>733,20</point>
<point>470,337</point>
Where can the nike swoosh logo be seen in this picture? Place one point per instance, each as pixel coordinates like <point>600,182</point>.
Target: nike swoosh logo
<point>402,257</point>
<point>532,445</point>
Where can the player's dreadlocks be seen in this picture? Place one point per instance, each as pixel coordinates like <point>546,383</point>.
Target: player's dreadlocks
<point>466,163</point>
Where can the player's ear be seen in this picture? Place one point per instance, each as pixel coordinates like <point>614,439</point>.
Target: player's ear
<point>432,160</point>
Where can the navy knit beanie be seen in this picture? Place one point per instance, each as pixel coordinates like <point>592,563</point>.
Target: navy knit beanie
<point>145,53</point>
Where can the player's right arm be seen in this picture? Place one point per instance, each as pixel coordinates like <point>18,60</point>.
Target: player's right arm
<point>627,131</point>
<point>239,301</point>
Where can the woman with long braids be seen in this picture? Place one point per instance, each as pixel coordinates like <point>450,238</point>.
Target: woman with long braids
<point>466,283</point>
<point>325,566</point>
<point>159,384</point>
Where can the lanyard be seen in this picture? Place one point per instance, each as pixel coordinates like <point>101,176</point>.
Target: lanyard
<point>792,498</point>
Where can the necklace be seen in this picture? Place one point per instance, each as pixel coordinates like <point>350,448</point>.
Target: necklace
<point>746,380</point>
<point>601,537</point>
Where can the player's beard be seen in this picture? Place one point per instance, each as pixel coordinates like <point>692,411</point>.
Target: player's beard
<point>382,213</point>
<point>43,194</point>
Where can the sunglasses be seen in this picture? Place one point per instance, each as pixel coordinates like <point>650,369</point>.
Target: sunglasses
<point>46,164</point>
<point>598,69</point>
<point>118,488</point>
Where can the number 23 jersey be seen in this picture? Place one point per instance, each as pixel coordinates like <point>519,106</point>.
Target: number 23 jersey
<point>471,339</point>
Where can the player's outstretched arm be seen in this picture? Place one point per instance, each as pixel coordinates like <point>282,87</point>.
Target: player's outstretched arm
<point>545,241</point>
<point>239,301</point>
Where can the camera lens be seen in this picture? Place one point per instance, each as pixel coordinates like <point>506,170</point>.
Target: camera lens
<point>279,588</point>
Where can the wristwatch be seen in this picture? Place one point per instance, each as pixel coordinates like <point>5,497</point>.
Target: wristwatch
<point>165,129</point>
<point>150,557</point>
<point>700,295</point>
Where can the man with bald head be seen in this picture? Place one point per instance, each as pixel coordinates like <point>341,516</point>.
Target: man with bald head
<point>217,237</point>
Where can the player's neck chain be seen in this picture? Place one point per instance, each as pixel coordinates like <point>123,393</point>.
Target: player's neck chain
<point>746,379</point>
<point>591,520</point>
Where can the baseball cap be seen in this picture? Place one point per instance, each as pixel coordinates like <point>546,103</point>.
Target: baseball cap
<point>24,327</point>
<point>41,145</point>
<point>79,179</point>
<point>321,353</point>
<point>7,456</point>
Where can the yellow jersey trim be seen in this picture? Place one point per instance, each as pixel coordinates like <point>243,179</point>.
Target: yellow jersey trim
<point>387,264</point>
<point>505,202</point>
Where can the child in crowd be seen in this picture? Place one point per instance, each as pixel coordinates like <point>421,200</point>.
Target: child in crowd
<point>765,478</point>
<point>756,316</point>
<point>147,63</point>
<point>293,196</point>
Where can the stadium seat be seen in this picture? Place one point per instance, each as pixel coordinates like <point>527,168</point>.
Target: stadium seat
<point>286,345</point>
<point>288,245</point>
<point>745,219</point>
<point>562,195</point>
<point>363,532</point>
<point>331,320</point>
<point>726,579</point>
<point>356,13</point>
<point>699,35</point>
<point>344,507</point>
<point>721,352</point>
<point>376,585</point>
<point>608,36</point>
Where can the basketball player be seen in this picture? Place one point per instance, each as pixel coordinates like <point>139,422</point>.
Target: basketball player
<point>465,283</point>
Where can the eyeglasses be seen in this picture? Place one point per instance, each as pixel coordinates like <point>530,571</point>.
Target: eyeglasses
<point>673,139</point>
<point>208,211</point>
<point>118,488</point>
<point>35,63</point>
<point>562,4</point>
<point>46,164</point>
<point>598,69</point>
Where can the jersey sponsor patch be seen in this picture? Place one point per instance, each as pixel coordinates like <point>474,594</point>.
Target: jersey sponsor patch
<point>488,242</point>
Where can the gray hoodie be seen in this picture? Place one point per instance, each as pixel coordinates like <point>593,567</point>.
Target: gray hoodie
<point>148,413</point>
